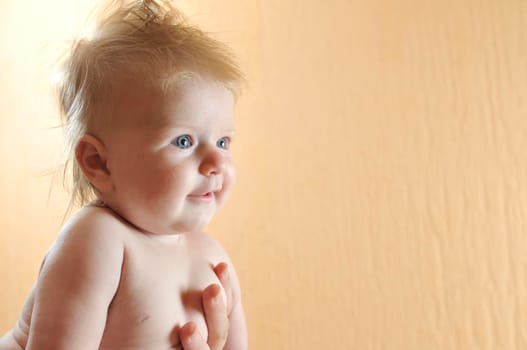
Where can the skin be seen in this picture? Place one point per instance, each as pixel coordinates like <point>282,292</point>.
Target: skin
<point>162,171</point>
<point>216,316</point>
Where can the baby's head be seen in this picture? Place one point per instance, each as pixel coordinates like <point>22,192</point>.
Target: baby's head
<point>148,103</point>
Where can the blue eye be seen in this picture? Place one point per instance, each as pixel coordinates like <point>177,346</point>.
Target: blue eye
<point>224,143</point>
<point>183,141</point>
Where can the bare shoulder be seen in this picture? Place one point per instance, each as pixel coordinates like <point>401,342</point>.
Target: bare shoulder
<point>90,227</point>
<point>79,276</point>
<point>90,235</point>
<point>97,222</point>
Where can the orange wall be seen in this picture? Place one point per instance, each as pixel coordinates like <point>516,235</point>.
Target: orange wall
<point>382,192</point>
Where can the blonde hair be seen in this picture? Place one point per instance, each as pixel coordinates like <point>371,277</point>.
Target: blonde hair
<point>147,40</point>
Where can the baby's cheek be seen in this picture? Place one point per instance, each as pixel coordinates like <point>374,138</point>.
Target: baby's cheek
<point>229,178</point>
<point>232,174</point>
<point>226,187</point>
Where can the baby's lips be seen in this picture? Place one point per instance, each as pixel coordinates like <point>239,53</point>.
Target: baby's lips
<point>206,191</point>
<point>199,194</point>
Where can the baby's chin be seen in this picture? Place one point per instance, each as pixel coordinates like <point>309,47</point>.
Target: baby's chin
<point>153,223</point>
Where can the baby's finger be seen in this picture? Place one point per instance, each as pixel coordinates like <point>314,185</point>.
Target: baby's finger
<point>222,271</point>
<point>216,316</point>
<point>191,339</point>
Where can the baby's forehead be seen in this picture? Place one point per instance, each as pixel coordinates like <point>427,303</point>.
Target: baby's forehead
<point>131,103</point>
<point>189,102</point>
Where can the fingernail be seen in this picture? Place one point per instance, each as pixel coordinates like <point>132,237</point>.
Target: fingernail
<point>217,297</point>
<point>190,338</point>
<point>192,335</point>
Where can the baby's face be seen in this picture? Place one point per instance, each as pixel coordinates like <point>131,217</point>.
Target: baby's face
<point>169,157</point>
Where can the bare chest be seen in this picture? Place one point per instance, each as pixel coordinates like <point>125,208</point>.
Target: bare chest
<point>160,290</point>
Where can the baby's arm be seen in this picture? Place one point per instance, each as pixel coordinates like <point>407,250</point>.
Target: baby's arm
<point>76,284</point>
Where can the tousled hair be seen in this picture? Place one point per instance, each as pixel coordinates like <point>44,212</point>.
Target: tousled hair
<point>146,40</point>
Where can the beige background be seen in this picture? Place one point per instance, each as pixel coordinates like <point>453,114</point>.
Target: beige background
<point>382,193</point>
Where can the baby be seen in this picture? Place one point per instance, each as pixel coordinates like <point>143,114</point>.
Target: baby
<point>148,105</point>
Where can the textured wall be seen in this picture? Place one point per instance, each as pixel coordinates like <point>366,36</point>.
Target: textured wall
<point>382,192</point>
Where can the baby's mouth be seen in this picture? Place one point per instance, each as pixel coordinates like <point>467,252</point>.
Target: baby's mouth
<point>206,193</point>
<point>204,196</point>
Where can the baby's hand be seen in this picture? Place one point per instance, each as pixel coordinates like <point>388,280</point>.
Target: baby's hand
<point>216,315</point>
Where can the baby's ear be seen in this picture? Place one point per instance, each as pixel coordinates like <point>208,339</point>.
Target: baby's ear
<point>91,157</point>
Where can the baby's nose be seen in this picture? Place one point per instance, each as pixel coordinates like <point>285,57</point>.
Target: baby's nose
<point>213,163</point>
